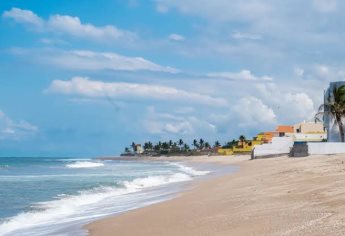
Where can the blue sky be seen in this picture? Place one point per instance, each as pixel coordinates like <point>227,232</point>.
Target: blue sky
<point>86,78</point>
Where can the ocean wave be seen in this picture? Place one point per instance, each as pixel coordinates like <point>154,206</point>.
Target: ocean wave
<point>153,181</point>
<point>84,164</point>
<point>190,170</point>
<point>72,208</point>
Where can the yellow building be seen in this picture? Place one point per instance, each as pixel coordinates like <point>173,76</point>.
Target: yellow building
<point>225,151</point>
<point>241,147</point>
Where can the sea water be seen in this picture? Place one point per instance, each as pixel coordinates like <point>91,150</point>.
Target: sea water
<point>56,196</point>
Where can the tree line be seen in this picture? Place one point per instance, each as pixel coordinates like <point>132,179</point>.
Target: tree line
<point>179,147</point>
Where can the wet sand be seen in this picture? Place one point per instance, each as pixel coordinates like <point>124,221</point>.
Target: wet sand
<point>276,196</point>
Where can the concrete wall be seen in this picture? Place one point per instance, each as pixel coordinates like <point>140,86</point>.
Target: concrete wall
<point>279,145</point>
<point>310,137</point>
<point>326,148</point>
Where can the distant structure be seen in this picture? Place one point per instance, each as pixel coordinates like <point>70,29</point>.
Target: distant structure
<point>332,129</point>
<point>139,149</point>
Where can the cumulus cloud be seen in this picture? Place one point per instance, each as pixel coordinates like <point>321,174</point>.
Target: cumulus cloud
<point>13,130</point>
<point>24,17</point>
<point>175,124</point>
<point>176,37</point>
<point>90,60</point>
<point>68,25</point>
<point>290,107</point>
<point>89,88</point>
<point>251,111</point>
<point>242,75</point>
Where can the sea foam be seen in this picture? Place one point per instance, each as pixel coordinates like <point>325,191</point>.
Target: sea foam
<point>189,170</point>
<point>84,164</point>
<point>68,210</point>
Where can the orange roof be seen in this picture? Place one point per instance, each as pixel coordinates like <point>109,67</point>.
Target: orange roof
<point>284,129</point>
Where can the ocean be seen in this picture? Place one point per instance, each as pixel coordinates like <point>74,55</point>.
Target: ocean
<point>57,196</point>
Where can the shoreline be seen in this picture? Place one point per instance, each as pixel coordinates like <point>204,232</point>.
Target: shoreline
<point>276,196</point>
<point>222,164</point>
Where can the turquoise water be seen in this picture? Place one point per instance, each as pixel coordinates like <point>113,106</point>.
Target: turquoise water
<point>55,196</point>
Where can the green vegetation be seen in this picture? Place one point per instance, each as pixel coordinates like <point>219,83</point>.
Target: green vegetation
<point>336,107</point>
<point>180,147</point>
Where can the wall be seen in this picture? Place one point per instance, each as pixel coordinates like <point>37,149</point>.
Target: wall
<point>326,148</point>
<point>225,151</point>
<point>310,137</point>
<point>279,145</point>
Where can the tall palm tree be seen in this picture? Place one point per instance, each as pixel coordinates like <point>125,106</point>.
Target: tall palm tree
<point>185,147</point>
<point>335,106</point>
<point>207,145</point>
<point>180,143</point>
<point>242,138</point>
<point>134,146</point>
<point>201,143</point>
<point>195,144</point>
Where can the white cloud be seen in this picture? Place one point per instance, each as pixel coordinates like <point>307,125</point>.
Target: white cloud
<point>90,60</point>
<point>84,87</point>
<point>251,111</point>
<point>176,37</point>
<point>11,130</point>
<point>290,107</point>
<point>69,25</point>
<point>24,17</point>
<point>242,75</point>
<point>301,105</point>
<point>175,124</point>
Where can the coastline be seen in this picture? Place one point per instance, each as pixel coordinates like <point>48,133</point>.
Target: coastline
<point>276,196</point>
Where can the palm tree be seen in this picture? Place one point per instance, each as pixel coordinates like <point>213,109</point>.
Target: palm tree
<point>195,144</point>
<point>165,146</point>
<point>207,145</point>
<point>185,147</point>
<point>201,142</point>
<point>127,150</point>
<point>216,144</point>
<point>134,147</point>
<point>180,143</point>
<point>242,138</point>
<point>335,106</point>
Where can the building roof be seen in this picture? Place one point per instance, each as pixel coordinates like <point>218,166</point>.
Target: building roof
<point>285,129</point>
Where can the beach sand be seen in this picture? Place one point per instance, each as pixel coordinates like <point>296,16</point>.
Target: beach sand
<point>276,196</point>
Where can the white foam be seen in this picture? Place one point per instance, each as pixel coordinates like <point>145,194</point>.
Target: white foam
<point>153,181</point>
<point>84,164</point>
<point>70,209</point>
<point>189,170</point>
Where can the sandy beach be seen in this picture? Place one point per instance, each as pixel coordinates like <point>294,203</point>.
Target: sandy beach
<point>276,196</point>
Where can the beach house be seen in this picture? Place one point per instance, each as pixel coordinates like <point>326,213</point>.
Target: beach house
<point>284,130</point>
<point>309,132</point>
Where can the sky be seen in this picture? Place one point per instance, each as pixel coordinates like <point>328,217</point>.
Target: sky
<point>87,78</point>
